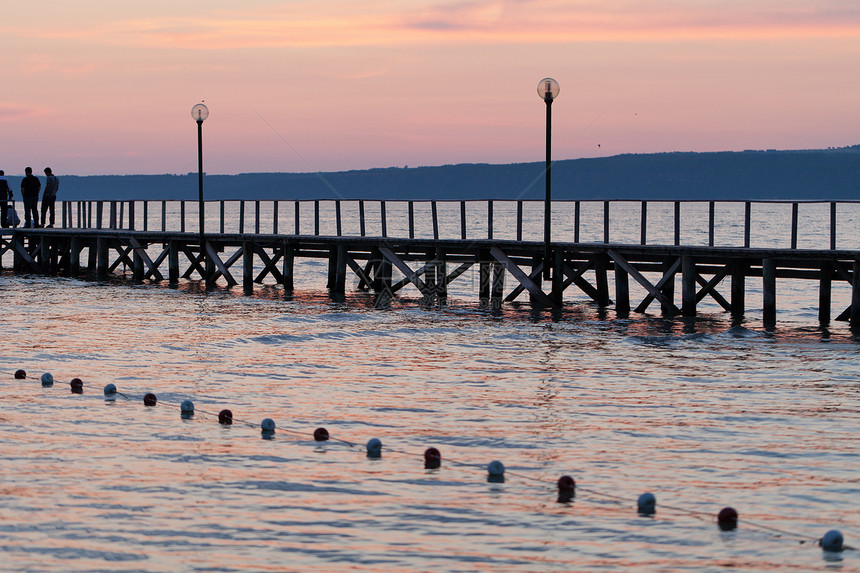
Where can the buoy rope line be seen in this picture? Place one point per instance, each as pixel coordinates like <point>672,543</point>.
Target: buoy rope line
<point>434,460</point>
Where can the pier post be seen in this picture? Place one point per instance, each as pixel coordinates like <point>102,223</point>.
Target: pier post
<point>247,267</point>
<point>340,270</point>
<point>557,292</point>
<point>824,293</point>
<point>854,318</point>
<point>289,261</point>
<point>668,288</point>
<point>137,261</point>
<point>172,263</point>
<point>768,287</point>
<point>688,286</point>
<point>441,277</point>
<point>622,292</point>
<point>739,268</point>
<point>44,254</point>
<point>332,268</point>
<point>102,258</point>
<point>498,287</point>
<point>74,256</point>
<point>601,280</point>
<point>484,278</point>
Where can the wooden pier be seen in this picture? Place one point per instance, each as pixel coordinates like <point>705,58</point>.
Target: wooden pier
<point>431,265</point>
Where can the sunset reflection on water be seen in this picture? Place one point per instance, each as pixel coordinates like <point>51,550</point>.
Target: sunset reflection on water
<point>702,413</point>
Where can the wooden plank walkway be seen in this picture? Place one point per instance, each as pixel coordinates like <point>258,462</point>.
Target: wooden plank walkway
<point>431,265</point>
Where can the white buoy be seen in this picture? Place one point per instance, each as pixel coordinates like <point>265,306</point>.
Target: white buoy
<point>374,448</point>
<point>110,389</point>
<point>832,541</point>
<point>647,504</point>
<point>187,408</point>
<point>268,426</point>
<point>496,472</point>
<point>47,379</point>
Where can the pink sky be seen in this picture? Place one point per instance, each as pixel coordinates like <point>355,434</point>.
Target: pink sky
<point>98,87</point>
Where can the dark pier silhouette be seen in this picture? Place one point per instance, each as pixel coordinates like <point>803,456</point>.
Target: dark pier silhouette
<point>97,239</point>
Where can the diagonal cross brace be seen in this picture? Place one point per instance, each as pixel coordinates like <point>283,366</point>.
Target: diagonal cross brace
<point>653,290</point>
<point>524,279</point>
<point>404,268</point>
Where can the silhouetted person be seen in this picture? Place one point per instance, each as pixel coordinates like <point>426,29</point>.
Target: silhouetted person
<point>5,195</point>
<point>49,197</point>
<point>30,187</point>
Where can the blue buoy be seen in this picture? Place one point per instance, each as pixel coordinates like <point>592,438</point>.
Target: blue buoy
<point>110,389</point>
<point>47,379</point>
<point>20,375</point>
<point>187,408</point>
<point>77,386</point>
<point>496,472</point>
<point>832,541</point>
<point>566,489</point>
<point>647,504</point>
<point>374,448</point>
<point>225,417</point>
<point>727,519</point>
<point>268,426</point>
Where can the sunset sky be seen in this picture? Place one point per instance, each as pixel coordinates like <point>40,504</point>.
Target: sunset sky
<point>106,87</point>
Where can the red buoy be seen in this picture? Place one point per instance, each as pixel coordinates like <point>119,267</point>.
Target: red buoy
<point>150,400</point>
<point>727,519</point>
<point>321,434</point>
<point>225,417</point>
<point>77,386</point>
<point>432,459</point>
<point>566,489</point>
<point>20,375</point>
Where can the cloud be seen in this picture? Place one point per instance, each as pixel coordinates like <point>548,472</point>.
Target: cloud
<point>14,112</point>
<point>379,23</point>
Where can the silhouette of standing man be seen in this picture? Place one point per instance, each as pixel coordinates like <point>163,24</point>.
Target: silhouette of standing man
<point>5,196</point>
<point>49,197</point>
<point>30,187</point>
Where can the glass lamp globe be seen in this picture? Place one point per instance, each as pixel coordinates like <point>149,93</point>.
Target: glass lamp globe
<point>199,112</point>
<point>548,89</point>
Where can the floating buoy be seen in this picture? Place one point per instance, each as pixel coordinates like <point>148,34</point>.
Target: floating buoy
<point>77,386</point>
<point>646,504</point>
<point>566,489</point>
<point>225,417</point>
<point>150,399</point>
<point>47,379</point>
<point>374,448</point>
<point>268,426</point>
<point>321,434</point>
<point>432,459</point>
<point>496,472</point>
<point>832,541</point>
<point>110,389</point>
<point>727,519</point>
<point>186,408</point>
<point>20,375</point>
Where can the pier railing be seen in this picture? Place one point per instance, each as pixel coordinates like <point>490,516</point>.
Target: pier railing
<point>783,224</point>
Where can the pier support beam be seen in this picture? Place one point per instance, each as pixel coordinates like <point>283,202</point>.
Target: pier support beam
<point>688,286</point>
<point>102,262</point>
<point>622,292</point>
<point>825,285</point>
<point>289,261</point>
<point>854,318</point>
<point>768,287</point>
<point>739,268</point>
<point>172,263</point>
<point>247,268</point>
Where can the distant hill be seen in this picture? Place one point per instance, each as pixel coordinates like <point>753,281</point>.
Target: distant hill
<point>831,174</point>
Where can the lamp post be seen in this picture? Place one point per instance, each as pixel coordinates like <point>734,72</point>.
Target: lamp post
<point>548,90</point>
<point>200,112</point>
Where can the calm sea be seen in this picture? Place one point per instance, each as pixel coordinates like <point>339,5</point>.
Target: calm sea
<point>704,413</point>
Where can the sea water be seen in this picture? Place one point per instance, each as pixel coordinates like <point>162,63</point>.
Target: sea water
<point>703,412</point>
